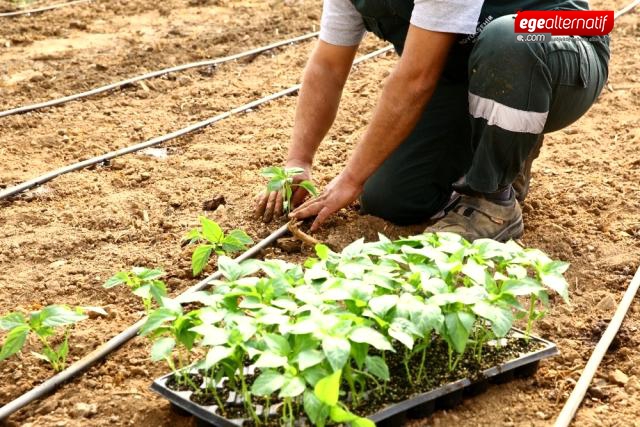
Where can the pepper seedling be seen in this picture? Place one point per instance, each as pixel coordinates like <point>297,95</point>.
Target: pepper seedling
<point>213,239</point>
<point>43,323</point>
<point>143,282</point>
<point>281,179</point>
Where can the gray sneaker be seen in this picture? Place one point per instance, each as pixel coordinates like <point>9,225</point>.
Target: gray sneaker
<point>476,218</point>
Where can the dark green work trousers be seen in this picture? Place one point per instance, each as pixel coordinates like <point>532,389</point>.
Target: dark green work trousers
<point>484,128</point>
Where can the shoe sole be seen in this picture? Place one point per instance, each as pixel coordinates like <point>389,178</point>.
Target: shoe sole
<point>514,231</point>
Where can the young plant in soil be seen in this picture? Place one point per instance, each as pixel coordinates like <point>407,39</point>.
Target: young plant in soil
<point>45,324</point>
<point>282,179</point>
<point>143,282</point>
<point>353,331</point>
<point>212,239</point>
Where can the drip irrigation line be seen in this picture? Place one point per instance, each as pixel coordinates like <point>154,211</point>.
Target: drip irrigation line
<point>116,342</point>
<point>578,393</point>
<point>164,138</point>
<point>41,9</point>
<point>626,9</point>
<point>158,73</point>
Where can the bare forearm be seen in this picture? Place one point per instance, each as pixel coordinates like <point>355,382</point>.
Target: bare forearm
<point>317,106</point>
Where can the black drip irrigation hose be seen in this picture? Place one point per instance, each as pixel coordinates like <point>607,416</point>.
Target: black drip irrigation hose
<point>41,9</point>
<point>153,74</point>
<point>164,138</point>
<point>116,342</point>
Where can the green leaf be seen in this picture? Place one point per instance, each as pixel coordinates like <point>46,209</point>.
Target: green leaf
<point>162,348</point>
<point>382,304</point>
<point>308,185</point>
<point>14,341</point>
<point>215,355</point>
<point>156,319</point>
<point>362,422</point>
<point>525,286</point>
<point>59,315</point>
<point>270,360</point>
<point>278,344</point>
<point>476,272</point>
<point>370,336</point>
<point>377,366</point>
<point>309,358</point>
<point>268,382</point>
<point>200,258</point>
<point>336,350</point>
<point>322,251</point>
<point>340,415</point>
<point>501,318</point>
<point>293,386</point>
<point>317,411</point>
<point>236,241</point>
<point>118,279</point>
<point>211,230</point>
<point>63,350</point>
<point>211,335</point>
<point>458,327</point>
<point>147,274</point>
<point>327,390</point>
<point>12,320</point>
<point>556,283</point>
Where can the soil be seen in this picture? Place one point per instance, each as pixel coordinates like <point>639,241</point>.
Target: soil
<point>61,241</point>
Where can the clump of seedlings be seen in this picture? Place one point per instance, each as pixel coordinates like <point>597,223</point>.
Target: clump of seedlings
<point>349,332</point>
<point>211,239</point>
<point>48,325</point>
<point>282,179</point>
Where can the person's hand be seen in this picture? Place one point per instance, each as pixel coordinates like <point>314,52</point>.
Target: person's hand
<point>340,192</point>
<point>269,204</point>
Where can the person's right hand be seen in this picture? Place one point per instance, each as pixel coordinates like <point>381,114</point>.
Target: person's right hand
<point>269,204</point>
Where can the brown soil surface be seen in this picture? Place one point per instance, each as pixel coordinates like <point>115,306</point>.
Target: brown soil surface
<point>59,243</point>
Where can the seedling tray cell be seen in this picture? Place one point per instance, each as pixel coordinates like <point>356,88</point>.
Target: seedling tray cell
<point>420,406</point>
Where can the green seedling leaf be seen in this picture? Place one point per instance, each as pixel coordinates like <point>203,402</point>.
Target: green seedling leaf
<point>383,304</point>
<point>501,318</point>
<point>327,390</point>
<point>156,319</point>
<point>308,185</point>
<point>277,344</point>
<point>58,315</point>
<point>458,327</point>
<point>337,351</point>
<point>118,279</point>
<point>340,415</point>
<point>322,251</point>
<point>215,355</point>
<point>12,320</point>
<point>267,383</point>
<point>271,360</point>
<point>556,283</point>
<point>309,358</point>
<point>211,231</point>
<point>525,286</point>
<point>211,335</point>
<point>162,348</point>
<point>476,272</point>
<point>200,258</point>
<point>370,336</point>
<point>293,386</point>
<point>377,366</point>
<point>14,341</point>
<point>317,411</point>
<point>236,241</point>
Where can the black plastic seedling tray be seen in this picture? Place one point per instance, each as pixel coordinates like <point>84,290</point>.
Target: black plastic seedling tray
<point>419,406</point>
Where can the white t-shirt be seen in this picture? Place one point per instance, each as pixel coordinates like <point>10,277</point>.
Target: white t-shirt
<point>342,25</point>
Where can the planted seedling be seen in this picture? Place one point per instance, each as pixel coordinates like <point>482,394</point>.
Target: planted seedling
<point>143,282</point>
<point>44,324</point>
<point>282,179</point>
<point>213,240</point>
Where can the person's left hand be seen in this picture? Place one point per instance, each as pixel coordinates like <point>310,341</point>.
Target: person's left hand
<point>339,193</point>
